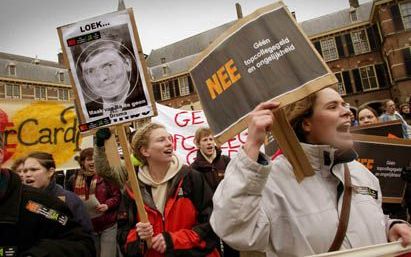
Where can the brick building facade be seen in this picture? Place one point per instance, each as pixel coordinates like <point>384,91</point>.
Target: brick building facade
<point>28,78</point>
<point>367,46</point>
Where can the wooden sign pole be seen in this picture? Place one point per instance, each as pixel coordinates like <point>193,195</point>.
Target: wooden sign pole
<point>132,177</point>
<point>289,144</point>
<point>110,145</point>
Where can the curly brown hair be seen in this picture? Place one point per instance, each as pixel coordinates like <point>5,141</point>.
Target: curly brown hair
<point>141,138</point>
<point>298,111</point>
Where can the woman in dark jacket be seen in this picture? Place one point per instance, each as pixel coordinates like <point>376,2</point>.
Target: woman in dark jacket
<point>39,170</point>
<point>211,164</point>
<point>87,184</point>
<point>33,223</point>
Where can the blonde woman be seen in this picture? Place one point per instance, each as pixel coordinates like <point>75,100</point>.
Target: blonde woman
<point>177,199</point>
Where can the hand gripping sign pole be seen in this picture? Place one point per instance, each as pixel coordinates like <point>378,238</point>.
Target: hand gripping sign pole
<point>132,177</point>
<point>89,47</point>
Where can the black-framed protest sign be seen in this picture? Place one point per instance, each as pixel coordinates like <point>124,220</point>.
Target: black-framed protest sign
<point>110,82</point>
<point>263,56</point>
<point>107,70</point>
<point>385,158</point>
<point>391,129</point>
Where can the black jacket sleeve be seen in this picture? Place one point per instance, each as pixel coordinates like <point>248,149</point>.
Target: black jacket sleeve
<point>58,235</point>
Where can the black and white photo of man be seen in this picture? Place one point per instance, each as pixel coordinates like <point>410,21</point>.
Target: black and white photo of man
<point>109,77</point>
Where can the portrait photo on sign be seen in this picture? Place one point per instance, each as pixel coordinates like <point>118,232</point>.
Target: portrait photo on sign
<point>110,82</point>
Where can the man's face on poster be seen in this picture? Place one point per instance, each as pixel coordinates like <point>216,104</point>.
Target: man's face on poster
<point>106,73</point>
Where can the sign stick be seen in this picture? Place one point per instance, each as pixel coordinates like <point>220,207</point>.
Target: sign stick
<point>132,177</point>
<point>112,154</point>
<point>288,142</point>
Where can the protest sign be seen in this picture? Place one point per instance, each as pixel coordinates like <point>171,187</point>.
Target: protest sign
<point>182,125</point>
<point>385,158</point>
<point>107,70</point>
<point>392,129</point>
<point>110,81</point>
<point>42,126</point>
<point>381,250</point>
<point>264,56</point>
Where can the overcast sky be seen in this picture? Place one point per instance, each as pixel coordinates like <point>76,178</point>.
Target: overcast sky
<point>28,27</point>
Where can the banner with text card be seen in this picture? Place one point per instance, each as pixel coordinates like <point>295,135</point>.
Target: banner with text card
<point>263,56</point>
<point>385,158</point>
<point>182,125</point>
<point>391,129</point>
<point>107,70</point>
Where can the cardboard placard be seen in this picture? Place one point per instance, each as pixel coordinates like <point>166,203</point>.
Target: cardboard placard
<point>381,250</point>
<point>47,126</point>
<point>385,158</point>
<point>390,129</point>
<point>264,56</point>
<point>107,70</point>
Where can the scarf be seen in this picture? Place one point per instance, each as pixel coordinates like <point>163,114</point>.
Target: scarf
<point>159,188</point>
<point>211,158</point>
<point>4,182</point>
<point>81,188</point>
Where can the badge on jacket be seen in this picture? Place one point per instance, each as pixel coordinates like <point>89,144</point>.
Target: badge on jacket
<point>46,212</point>
<point>366,191</point>
<point>9,251</point>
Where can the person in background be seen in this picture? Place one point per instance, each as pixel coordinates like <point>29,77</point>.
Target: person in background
<point>85,184</point>
<point>354,121</point>
<point>34,223</point>
<point>39,170</point>
<point>391,114</point>
<point>18,167</point>
<point>405,111</point>
<point>261,206</point>
<point>367,116</point>
<point>176,198</point>
<point>211,164</point>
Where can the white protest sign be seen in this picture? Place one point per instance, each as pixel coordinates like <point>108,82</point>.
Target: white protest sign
<point>182,125</point>
<point>382,250</point>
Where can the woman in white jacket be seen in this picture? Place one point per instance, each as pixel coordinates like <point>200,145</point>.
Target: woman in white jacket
<point>260,206</point>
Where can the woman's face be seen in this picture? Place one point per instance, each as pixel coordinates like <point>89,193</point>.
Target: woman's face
<point>160,146</point>
<point>367,117</point>
<point>207,145</point>
<point>330,122</point>
<point>20,171</point>
<point>35,174</point>
<point>88,164</point>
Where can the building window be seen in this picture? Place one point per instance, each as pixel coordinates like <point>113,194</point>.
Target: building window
<point>163,60</point>
<point>369,80</point>
<point>183,85</point>
<point>165,91</point>
<point>40,93</point>
<point>61,76</point>
<point>405,9</point>
<point>63,94</point>
<point>13,91</point>
<point>353,16</point>
<point>164,70</point>
<point>12,69</point>
<point>329,49</point>
<point>341,86</point>
<point>360,42</point>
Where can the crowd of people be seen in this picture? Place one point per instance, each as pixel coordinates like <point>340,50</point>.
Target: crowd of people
<point>213,207</point>
<point>368,116</point>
